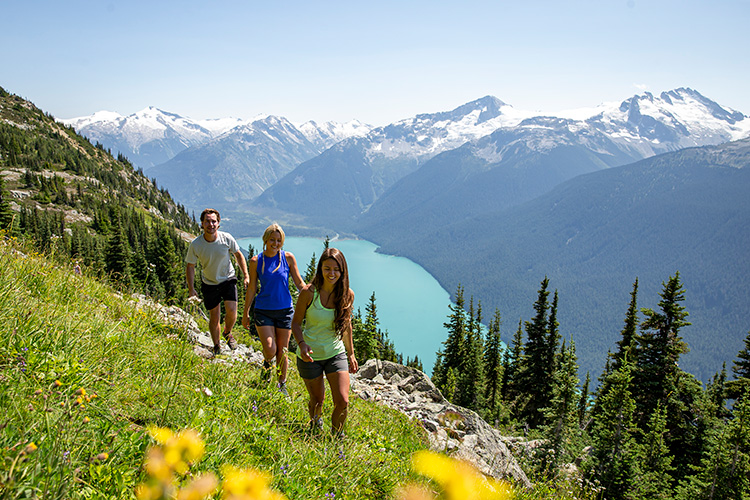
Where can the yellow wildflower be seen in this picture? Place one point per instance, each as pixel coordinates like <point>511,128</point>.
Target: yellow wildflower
<point>200,488</point>
<point>247,484</point>
<point>459,479</point>
<point>149,492</point>
<point>414,492</point>
<point>156,466</point>
<point>160,434</point>
<point>30,448</point>
<point>191,444</point>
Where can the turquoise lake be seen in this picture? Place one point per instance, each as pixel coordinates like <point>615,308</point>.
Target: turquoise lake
<point>411,304</point>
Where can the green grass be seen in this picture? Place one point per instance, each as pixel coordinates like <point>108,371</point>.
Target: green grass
<point>64,337</point>
<point>55,326</point>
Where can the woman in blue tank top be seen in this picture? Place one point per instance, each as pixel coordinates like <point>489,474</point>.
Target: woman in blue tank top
<point>325,345</point>
<point>273,302</point>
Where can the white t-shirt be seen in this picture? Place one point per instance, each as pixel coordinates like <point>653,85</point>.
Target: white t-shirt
<point>214,256</point>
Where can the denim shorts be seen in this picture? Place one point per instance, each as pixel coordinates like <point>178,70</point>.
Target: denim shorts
<point>214,294</point>
<point>313,369</point>
<point>281,318</point>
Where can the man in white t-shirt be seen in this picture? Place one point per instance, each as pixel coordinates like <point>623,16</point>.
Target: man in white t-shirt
<point>213,249</point>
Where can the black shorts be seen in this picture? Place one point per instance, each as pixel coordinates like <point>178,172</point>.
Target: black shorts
<point>214,294</point>
<point>313,369</point>
<point>280,318</point>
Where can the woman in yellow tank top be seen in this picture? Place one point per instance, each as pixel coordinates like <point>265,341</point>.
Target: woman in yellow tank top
<point>325,344</point>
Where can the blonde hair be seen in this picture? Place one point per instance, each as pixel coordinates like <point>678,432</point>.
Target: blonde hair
<point>273,228</point>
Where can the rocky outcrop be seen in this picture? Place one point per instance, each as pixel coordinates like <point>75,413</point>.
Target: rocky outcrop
<point>451,428</point>
<point>456,430</point>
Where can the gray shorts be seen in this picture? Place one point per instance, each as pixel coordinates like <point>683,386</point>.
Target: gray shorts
<point>313,369</point>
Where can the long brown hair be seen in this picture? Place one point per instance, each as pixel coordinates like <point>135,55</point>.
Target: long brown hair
<point>341,295</point>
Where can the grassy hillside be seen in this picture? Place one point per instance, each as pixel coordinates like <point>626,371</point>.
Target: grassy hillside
<point>84,373</point>
<point>64,334</point>
<point>75,200</point>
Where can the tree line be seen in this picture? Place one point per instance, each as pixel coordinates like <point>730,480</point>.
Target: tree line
<point>649,430</point>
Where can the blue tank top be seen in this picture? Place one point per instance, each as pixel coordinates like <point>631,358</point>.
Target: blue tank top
<point>274,283</point>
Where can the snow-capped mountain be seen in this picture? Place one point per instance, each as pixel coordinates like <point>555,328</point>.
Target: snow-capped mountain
<point>242,162</point>
<point>532,152</point>
<point>326,135</point>
<point>150,136</point>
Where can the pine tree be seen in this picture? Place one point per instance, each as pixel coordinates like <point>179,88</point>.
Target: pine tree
<point>626,346</point>
<point>725,467</point>
<point>117,257</point>
<point>627,343</point>
<point>493,364</point>
<point>415,363</point>
<point>167,264</point>
<point>614,461</point>
<point>659,382</point>
<point>471,374</point>
<point>535,373</point>
<point>653,480</point>
<point>510,386</point>
<point>562,413</point>
<point>310,271</point>
<point>553,335</point>
<point>659,348</point>
<point>583,404</point>
<point>369,345</point>
<point>7,215</point>
<point>359,336</point>
<point>450,358</point>
<point>741,369</point>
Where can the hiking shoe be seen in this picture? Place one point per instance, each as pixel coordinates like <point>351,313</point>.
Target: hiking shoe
<point>282,389</point>
<point>216,350</point>
<point>231,342</point>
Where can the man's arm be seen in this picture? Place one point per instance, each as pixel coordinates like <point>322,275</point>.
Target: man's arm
<point>190,277</point>
<point>243,267</point>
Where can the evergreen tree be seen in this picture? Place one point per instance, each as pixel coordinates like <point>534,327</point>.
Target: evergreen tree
<point>613,461</point>
<point>741,369</point>
<point>659,382</point>
<point>583,404</point>
<point>653,480</point>
<point>310,271</point>
<point>535,373</point>
<point>415,363</point>
<point>386,348</point>
<point>493,366</point>
<point>510,386</point>
<point>725,467</point>
<point>627,343</point>
<point>7,215</point>
<point>359,336</point>
<point>626,346</point>
<point>471,374</point>
<point>450,358</point>
<point>369,344</point>
<point>553,335</point>
<point>117,257</point>
<point>167,264</point>
<point>659,348</point>
<point>562,413</point>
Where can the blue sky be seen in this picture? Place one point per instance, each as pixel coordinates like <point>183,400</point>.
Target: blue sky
<point>374,61</point>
